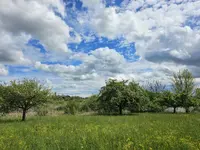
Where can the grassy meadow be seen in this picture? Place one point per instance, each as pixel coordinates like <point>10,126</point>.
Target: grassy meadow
<point>134,132</point>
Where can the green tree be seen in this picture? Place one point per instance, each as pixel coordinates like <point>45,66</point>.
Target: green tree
<point>114,96</point>
<point>155,101</point>
<point>170,100</point>
<point>4,94</point>
<point>154,91</point>
<point>183,87</point>
<point>140,100</point>
<point>197,96</point>
<point>196,100</point>
<point>26,94</point>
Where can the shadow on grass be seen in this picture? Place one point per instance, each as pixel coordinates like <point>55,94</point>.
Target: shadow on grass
<point>135,114</point>
<point>16,120</point>
<point>131,114</point>
<point>2,121</point>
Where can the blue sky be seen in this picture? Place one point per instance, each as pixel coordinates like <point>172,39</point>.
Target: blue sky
<point>75,45</point>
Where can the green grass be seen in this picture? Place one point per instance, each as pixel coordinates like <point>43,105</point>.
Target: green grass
<point>141,131</point>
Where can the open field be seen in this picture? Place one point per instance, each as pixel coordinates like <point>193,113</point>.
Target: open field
<point>139,131</point>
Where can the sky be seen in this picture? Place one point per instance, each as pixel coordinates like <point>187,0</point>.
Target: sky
<point>74,46</point>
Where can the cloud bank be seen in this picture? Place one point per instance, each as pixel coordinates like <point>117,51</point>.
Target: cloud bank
<point>66,43</point>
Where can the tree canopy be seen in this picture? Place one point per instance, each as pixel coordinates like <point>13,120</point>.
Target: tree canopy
<point>25,94</point>
<point>116,97</point>
<point>183,86</point>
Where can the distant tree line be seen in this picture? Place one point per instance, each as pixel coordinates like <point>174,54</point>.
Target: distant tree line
<point>116,97</point>
<point>126,96</point>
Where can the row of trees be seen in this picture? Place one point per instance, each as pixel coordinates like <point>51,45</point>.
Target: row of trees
<point>117,96</point>
<point>114,98</point>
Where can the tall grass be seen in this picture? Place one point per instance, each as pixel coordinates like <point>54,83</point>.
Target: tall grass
<point>141,131</point>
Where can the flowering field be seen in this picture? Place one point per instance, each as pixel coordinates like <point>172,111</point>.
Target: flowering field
<point>140,131</point>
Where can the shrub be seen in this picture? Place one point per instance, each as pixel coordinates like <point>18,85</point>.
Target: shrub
<point>60,108</point>
<point>42,111</point>
<point>71,108</point>
<point>89,104</point>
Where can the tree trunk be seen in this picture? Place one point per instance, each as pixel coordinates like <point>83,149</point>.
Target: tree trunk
<point>120,109</point>
<point>23,115</point>
<point>187,110</point>
<point>174,110</point>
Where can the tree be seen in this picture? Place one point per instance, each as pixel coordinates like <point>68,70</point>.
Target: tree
<point>183,87</point>
<point>155,101</point>
<point>140,100</point>
<point>170,100</point>
<point>155,86</point>
<point>26,94</point>
<point>197,96</point>
<point>196,100</point>
<point>4,93</point>
<point>154,91</point>
<point>114,96</point>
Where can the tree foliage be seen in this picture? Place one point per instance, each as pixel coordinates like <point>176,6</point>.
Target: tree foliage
<point>114,97</point>
<point>140,99</point>
<point>26,94</point>
<point>183,87</point>
<point>170,100</point>
<point>90,104</point>
<point>117,96</point>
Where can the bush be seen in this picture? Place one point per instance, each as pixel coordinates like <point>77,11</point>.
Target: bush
<point>60,108</point>
<point>89,104</point>
<point>195,109</point>
<point>155,107</point>
<point>42,111</point>
<point>84,107</point>
<point>71,108</point>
